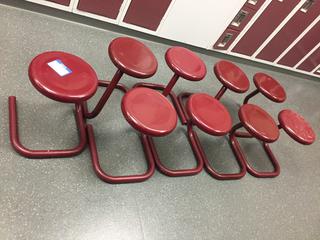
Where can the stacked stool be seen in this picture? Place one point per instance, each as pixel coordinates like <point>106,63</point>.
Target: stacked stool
<point>133,58</point>
<point>209,115</point>
<point>66,78</point>
<point>187,65</point>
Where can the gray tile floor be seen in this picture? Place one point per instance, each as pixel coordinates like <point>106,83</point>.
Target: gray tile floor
<point>63,199</point>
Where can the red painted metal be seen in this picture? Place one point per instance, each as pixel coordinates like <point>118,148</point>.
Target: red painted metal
<point>266,23</point>
<point>231,77</point>
<point>311,62</point>
<point>132,57</point>
<point>75,87</point>
<point>62,2</point>
<point>181,113</point>
<point>105,8</point>
<point>302,47</point>
<point>182,116</point>
<point>211,170</point>
<point>119,179</point>
<point>179,172</point>
<point>296,127</point>
<point>269,87</point>
<point>208,114</point>
<point>181,97</point>
<point>104,98</point>
<point>16,144</point>
<point>146,13</point>
<point>239,153</point>
<point>290,31</point>
<point>185,63</point>
<point>258,123</point>
<point>149,112</point>
<point>212,117</point>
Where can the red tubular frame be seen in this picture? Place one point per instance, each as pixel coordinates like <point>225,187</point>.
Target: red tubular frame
<point>93,148</point>
<point>119,179</point>
<point>252,94</point>
<point>237,150</point>
<point>179,172</point>
<point>29,153</point>
<point>197,144</point>
<point>222,90</point>
<point>167,91</point>
<point>104,98</point>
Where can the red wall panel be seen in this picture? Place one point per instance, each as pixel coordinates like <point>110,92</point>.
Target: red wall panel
<point>106,8</point>
<point>146,13</point>
<point>62,2</point>
<point>267,22</point>
<point>301,48</point>
<point>311,62</point>
<point>290,31</point>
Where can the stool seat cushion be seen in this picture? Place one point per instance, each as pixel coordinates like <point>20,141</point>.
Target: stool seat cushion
<point>269,87</point>
<point>231,76</point>
<point>258,123</point>
<point>209,114</point>
<point>185,63</point>
<point>296,127</point>
<point>132,57</point>
<point>149,112</point>
<point>63,77</point>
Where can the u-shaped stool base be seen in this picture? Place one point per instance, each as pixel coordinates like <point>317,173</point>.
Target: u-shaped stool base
<point>237,150</point>
<point>198,146</point>
<point>29,153</point>
<point>179,172</point>
<point>94,153</point>
<point>119,179</point>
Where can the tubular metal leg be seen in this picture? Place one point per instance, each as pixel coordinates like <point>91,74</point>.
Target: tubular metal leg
<point>212,171</point>
<point>119,179</point>
<point>29,153</point>
<point>181,172</point>
<point>239,153</point>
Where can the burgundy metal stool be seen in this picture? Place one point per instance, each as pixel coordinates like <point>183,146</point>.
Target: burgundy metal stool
<point>186,64</point>
<point>269,87</point>
<point>209,115</point>
<point>295,126</point>
<point>64,78</point>
<point>231,77</point>
<point>133,58</point>
<point>260,125</point>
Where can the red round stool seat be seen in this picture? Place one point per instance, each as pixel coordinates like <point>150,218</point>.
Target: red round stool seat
<point>209,114</point>
<point>231,76</point>
<point>185,63</point>
<point>70,79</point>
<point>132,57</point>
<point>269,87</point>
<point>296,127</point>
<point>258,123</point>
<point>149,112</point>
